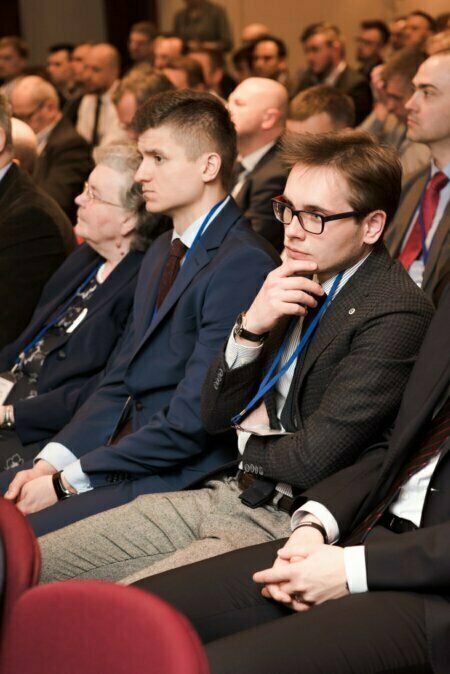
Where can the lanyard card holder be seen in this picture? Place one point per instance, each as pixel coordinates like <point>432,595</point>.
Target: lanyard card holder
<point>7,383</point>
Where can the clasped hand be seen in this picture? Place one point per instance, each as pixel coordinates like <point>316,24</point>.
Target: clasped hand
<point>305,574</point>
<point>32,490</point>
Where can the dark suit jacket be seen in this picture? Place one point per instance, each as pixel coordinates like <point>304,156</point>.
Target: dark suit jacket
<point>35,238</point>
<point>437,265</point>
<point>164,361</point>
<point>267,180</point>
<point>64,166</point>
<point>418,561</point>
<point>349,386</point>
<point>73,366</point>
<point>349,82</point>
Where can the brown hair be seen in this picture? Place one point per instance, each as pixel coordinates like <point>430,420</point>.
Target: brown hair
<point>372,171</point>
<point>199,119</point>
<point>317,99</point>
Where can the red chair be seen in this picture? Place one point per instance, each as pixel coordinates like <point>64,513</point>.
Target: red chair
<point>21,557</point>
<point>95,628</point>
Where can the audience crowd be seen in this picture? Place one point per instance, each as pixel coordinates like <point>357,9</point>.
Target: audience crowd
<point>224,331</point>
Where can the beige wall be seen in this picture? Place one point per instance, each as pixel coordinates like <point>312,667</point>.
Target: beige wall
<point>287,18</point>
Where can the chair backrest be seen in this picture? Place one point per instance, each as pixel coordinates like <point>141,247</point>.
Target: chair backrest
<point>21,557</point>
<point>92,627</point>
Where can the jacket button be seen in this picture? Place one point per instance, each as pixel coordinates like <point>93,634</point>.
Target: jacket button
<point>139,405</point>
<point>62,355</point>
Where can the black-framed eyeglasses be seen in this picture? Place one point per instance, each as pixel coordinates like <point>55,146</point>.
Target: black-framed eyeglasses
<point>311,222</point>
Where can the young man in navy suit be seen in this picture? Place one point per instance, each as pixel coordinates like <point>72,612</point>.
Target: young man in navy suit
<point>141,431</point>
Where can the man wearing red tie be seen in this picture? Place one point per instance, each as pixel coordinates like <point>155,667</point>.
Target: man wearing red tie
<point>419,235</point>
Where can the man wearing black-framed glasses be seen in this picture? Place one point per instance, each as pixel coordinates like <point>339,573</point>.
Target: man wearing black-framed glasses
<point>306,395</point>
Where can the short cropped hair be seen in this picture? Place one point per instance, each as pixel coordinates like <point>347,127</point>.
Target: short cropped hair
<point>281,45</point>
<point>373,172</point>
<point>5,121</point>
<point>147,28</point>
<point>125,159</point>
<point>143,82</point>
<point>216,57</point>
<point>317,99</point>
<point>200,120</point>
<point>20,46</point>
<point>61,46</point>
<point>192,68</point>
<point>329,30</point>
<point>380,26</point>
<point>428,18</point>
<point>405,62</point>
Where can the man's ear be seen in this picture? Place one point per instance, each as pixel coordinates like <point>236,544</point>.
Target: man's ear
<point>212,163</point>
<point>2,140</point>
<point>374,224</point>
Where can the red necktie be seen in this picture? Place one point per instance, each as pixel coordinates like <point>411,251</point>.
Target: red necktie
<point>429,205</point>
<point>431,444</point>
<point>177,252</point>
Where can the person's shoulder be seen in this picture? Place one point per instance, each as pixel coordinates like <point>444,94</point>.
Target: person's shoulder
<point>244,241</point>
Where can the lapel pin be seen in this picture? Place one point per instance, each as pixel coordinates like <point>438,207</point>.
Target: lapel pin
<point>351,311</point>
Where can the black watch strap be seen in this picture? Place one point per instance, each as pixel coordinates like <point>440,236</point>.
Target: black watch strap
<point>240,331</point>
<point>60,490</point>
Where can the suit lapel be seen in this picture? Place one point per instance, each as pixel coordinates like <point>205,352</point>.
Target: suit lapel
<point>436,246</point>
<point>199,258</point>
<point>428,383</point>
<point>344,308</point>
<point>397,230</point>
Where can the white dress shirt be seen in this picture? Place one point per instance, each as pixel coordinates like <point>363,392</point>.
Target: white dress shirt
<point>249,162</point>
<point>109,127</point>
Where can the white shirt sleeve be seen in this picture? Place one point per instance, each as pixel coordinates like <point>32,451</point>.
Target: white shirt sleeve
<point>57,455</point>
<point>322,514</point>
<point>237,355</point>
<point>76,478</point>
<point>355,568</point>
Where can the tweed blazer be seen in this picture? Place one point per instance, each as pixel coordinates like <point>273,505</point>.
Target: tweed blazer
<point>437,265</point>
<point>349,386</point>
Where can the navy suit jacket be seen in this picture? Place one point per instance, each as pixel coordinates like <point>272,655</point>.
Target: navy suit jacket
<point>164,360</point>
<point>71,369</point>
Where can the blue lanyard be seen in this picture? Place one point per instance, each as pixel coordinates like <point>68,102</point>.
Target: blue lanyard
<point>203,226</point>
<point>423,235</point>
<point>52,323</point>
<point>269,381</point>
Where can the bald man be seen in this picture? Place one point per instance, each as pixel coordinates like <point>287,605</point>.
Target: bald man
<point>97,120</point>
<point>258,108</point>
<point>252,32</point>
<point>64,158</point>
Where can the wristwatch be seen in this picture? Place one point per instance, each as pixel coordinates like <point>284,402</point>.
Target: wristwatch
<point>240,331</point>
<point>61,492</point>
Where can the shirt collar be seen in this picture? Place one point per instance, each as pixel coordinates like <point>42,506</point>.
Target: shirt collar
<point>435,169</point>
<point>190,233</point>
<point>330,80</point>
<point>249,162</point>
<point>42,136</point>
<point>4,170</point>
<point>348,273</point>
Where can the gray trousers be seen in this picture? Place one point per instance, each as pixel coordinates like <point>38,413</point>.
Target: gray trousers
<point>157,532</point>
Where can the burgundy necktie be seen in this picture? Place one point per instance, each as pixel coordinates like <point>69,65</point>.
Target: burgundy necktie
<point>177,252</point>
<point>430,201</point>
<point>430,446</point>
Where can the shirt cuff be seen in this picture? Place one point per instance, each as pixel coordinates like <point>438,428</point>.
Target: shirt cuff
<point>237,355</point>
<point>322,514</point>
<point>76,478</point>
<point>57,455</point>
<point>355,569</point>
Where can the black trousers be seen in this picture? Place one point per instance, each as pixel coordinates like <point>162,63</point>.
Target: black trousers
<point>366,633</point>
